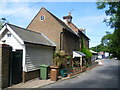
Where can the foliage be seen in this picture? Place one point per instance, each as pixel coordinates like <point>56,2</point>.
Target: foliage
<point>105,43</point>
<point>97,48</point>
<point>86,51</point>
<point>68,57</point>
<point>86,65</point>
<point>59,58</point>
<point>115,46</point>
<point>106,40</point>
<point>112,9</point>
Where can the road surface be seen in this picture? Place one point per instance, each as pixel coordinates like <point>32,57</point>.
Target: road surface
<point>105,76</point>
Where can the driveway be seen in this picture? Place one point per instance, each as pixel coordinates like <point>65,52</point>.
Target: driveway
<point>105,76</point>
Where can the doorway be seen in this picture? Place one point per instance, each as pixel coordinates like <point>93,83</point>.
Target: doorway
<point>16,67</point>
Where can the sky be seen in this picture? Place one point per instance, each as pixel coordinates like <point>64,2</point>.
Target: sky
<point>85,15</point>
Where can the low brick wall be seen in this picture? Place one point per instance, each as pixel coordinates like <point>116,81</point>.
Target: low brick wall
<point>30,75</point>
<point>79,70</point>
<point>92,67</point>
<point>82,70</point>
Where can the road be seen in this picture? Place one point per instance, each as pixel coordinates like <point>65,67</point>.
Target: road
<point>105,76</point>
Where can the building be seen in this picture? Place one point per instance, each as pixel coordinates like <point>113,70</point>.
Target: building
<point>79,31</point>
<point>94,55</point>
<point>29,50</point>
<point>56,30</point>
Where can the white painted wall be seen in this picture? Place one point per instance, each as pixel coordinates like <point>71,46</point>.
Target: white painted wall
<point>12,41</point>
<point>37,55</point>
<point>15,44</point>
<point>33,55</point>
<point>106,54</point>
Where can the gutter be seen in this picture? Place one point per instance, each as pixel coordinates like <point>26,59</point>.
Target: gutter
<point>61,40</point>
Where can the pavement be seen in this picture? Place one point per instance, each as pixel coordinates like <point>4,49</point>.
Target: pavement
<point>35,83</point>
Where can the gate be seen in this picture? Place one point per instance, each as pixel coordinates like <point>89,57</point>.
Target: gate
<point>16,67</point>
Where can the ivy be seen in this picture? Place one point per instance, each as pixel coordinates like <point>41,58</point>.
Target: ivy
<point>85,51</point>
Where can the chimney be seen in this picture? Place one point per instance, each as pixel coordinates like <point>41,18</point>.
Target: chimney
<point>68,19</point>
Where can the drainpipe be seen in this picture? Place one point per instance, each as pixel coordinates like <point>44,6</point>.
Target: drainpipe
<point>61,40</point>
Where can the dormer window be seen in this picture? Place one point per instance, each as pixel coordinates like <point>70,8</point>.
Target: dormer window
<point>42,18</point>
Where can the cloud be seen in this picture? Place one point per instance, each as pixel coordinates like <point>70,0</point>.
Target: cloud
<point>17,12</point>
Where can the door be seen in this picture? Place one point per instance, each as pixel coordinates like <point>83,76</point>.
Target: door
<point>16,67</point>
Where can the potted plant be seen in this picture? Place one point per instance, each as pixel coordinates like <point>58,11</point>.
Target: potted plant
<point>59,57</point>
<point>58,60</point>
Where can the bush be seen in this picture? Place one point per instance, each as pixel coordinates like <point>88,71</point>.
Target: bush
<point>87,52</point>
<point>60,58</point>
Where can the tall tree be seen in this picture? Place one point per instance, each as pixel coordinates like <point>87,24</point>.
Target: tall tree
<point>112,9</point>
<point>105,43</point>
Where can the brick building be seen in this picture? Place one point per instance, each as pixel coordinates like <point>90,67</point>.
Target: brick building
<point>67,37</point>
<point>79,31</point>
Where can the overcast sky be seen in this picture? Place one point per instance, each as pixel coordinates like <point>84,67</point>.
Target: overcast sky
<point>85,15</point>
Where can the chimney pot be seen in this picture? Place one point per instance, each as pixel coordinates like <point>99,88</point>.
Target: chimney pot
<point>68,19</point>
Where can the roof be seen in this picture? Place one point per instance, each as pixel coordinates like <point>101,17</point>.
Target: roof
<point>60,22</point>
<point>29,36</point>
<point>78,54</point>
<point>93,51</point>
<point>73,27</point>
<point>83,34</point>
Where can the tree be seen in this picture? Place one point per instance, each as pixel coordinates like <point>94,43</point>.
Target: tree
<point>112,10</point>
<point>99,48</point>
<point>105,43</point>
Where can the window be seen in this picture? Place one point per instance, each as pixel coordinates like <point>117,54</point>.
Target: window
<point>9,35</point>
<point>42,18</point>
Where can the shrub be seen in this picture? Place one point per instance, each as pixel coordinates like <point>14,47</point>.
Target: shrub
<point>87,52</point>
<point>60,57</point>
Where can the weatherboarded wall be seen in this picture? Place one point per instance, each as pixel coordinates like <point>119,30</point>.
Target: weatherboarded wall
<point>37,55</point>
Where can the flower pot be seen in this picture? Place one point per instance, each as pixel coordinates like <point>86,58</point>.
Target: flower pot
<point>54,73</point>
